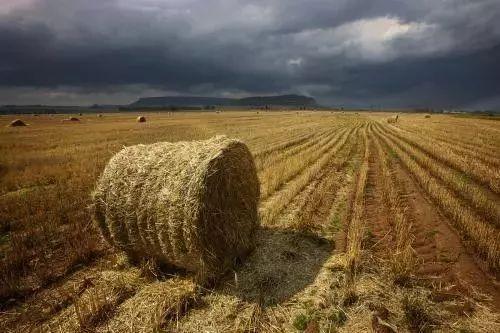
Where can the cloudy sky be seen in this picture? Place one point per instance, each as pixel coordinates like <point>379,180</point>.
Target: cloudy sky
<point>391,53</point>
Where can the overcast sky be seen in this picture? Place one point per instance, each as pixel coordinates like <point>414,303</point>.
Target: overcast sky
<point>392,53</point>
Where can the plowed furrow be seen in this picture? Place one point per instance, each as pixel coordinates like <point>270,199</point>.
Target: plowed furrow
<point>270,208</point>
<point>486,203</point>
<point>274,177</point>
<point>472,168</point>
<point>310,209</point>
<point>484,237</point>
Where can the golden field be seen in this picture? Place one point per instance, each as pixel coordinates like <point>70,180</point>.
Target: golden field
<point>366,226</point>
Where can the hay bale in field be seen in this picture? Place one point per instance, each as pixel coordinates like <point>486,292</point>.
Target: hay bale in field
<point>72,119</point>
<point>427,116</point>
<point>392,120</point>
<point>99,115</point>
<point>141,119</point>
<point>16,123</point>
<point>191,205</point>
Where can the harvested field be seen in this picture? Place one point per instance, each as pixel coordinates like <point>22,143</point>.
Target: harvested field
<point>366,224</point>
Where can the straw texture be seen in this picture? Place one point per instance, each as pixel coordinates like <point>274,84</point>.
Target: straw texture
<point>192,205</point>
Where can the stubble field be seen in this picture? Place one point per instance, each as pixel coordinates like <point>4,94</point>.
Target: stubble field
<point>366,226</point>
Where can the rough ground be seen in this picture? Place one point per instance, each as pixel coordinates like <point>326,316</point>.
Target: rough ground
<point>299,277</point>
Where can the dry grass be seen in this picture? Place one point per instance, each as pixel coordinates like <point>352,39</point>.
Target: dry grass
<point>356,227</point>
<point>271,207</point>
<point>96,303</point>
<point>57,275</point>
<point>485,202</point>
<point>484,237</point>
<point>402,259</point>
<point>153,307</point>
<point>480,172</point>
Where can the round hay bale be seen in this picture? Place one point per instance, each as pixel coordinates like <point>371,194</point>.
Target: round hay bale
<point>393,120</point>
<point>191,205</point>
<point>99,115</point>
<point>141,119</point>
<point>16,123</point>
<point>427,116</point>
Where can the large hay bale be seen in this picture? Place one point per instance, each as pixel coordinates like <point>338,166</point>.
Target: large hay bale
<point>141,119</point>
<point>192,205</point>
<point>16,123</point>
<point>427,116</point>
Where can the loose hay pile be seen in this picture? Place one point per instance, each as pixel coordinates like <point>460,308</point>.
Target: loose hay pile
<point>141,119</point>
<point>192,205</point>
<point>152,307</point>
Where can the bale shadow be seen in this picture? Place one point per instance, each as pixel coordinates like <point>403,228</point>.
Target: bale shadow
<point>283,263</point>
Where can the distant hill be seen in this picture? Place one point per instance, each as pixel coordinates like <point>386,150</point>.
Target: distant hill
<point>198,101</point>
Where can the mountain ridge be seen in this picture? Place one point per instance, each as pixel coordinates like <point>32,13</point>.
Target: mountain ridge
<point>196,101</point>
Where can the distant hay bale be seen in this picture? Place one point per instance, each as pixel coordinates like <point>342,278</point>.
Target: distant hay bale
<point>72,119</point>
<point>191,205</point>
<point>16,123</point>
<point>427,116</point>
<point>393,120</point>
<point>141,119</point>
<point>99,115</point>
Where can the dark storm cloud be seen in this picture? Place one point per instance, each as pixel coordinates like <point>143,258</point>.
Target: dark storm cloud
<point>382,52</point>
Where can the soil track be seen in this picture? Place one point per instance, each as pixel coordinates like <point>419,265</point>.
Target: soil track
<point>444,259</point>
<point>376,215</point>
